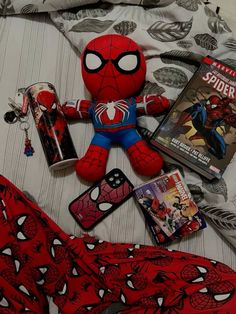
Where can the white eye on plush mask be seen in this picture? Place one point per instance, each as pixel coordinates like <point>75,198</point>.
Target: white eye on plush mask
<point>93,61</point>
<point>128,62</point>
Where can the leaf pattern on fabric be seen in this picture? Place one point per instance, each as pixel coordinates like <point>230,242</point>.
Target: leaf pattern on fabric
<point>181,58</point>
<point>180,54</point>
<point>196,192</point>
<point>83,13</point>
<point>220,217</point>
<point>60,26</point>
<point>216,187</point>
<point>2,8</point>
<point>6,7</point>
<point>206,41</point>
<point>215,22</point>
<point>191,5</point>
<point>91,25</point>
<point>29,8</point>
<point>167,32</point>
<point>171,77</point>
<point>218,26</point>
<point>184,44</point>
<point>154,3</point>
<point>209,12</point>
<point>152,88</point>
<point>230,43</point>
<point>230,62</point>
<point>149,2</point>
<point>125,27</point>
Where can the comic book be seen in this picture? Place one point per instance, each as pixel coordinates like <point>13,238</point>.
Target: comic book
<point>200,128</point>
<point>168,207</point>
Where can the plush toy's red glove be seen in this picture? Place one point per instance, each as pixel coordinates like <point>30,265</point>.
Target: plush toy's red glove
<point>76,109</point>
<point>151,104</point>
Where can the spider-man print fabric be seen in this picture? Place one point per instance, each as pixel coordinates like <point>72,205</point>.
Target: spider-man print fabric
<point>37,259</point>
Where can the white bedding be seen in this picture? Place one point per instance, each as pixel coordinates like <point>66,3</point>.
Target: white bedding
<point>32,50</point>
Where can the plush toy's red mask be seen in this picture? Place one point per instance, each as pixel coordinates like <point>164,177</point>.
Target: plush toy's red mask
<point>113,67</point>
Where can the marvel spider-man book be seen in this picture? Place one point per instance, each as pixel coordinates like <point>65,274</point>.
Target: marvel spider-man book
<point>168,207</point>
<point>200,128</point>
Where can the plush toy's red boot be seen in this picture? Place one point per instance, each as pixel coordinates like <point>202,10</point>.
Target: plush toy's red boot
<point>144,160</point>
<point>92,166</point>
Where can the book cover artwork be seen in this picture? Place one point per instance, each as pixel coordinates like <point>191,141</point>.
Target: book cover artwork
<point>200,129</point>
<point>168,207</point>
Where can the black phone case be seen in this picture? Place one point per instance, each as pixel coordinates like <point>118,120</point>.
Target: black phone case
<point>101,199</point>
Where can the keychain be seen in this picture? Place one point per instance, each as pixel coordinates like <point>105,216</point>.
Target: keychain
<point>16,115</point>
<point>29,150</point>
<point>13,115</point>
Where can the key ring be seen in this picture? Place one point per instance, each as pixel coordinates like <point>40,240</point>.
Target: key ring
<point>10,117</point>
<point>15,114</point>
<point>23,118</point>
<point>24,125</point>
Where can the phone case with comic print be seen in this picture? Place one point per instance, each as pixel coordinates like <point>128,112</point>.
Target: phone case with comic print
<point>101,199</point>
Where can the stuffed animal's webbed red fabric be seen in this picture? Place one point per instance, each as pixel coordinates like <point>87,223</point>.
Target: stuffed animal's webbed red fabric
<point>113,70</point>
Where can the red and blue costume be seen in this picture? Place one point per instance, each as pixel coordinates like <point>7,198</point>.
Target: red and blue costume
<point>113,69</point>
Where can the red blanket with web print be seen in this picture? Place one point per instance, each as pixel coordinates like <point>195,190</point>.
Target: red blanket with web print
<point>37,259</point>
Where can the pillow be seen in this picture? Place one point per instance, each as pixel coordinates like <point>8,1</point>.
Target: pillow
<point>8,7</point>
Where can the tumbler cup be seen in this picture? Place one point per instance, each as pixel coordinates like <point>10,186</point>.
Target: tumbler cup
<point>51,125</point>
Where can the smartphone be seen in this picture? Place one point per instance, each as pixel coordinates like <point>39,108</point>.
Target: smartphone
<point>101,199</point>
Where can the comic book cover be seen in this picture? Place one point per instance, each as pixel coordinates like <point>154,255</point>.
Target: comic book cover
<point>168,207</point>
<point>200,129</point>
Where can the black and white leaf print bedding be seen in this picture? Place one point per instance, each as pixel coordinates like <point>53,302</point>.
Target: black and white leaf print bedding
<point>170,76</point>
<point>174,37</point>
<point>91,25</point>
<point>125,27</point>
<point>167,32</point>
<point>206,41</point>
<point>180,58</point>
<point>191,5</point>
<point>223,220</point>
<point>230,43</point>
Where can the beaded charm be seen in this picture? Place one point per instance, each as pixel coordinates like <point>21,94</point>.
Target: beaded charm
<point>29,150</point>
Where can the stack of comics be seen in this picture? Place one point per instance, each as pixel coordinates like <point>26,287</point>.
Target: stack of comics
<point>168,207</point>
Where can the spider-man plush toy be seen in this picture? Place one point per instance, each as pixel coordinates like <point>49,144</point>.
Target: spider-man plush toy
<point>113,70</point>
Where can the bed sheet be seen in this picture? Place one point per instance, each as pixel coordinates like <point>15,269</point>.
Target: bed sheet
<point>33,50</point>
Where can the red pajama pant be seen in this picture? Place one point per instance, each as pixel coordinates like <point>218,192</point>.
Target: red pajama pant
<point>37,259</point>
